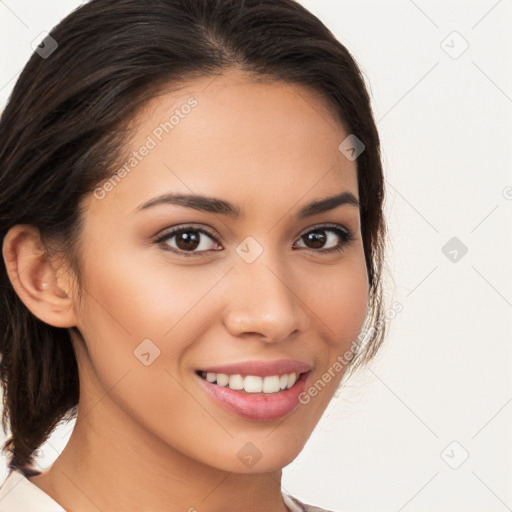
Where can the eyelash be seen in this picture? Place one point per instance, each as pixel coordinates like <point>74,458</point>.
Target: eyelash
<point>346,236</point>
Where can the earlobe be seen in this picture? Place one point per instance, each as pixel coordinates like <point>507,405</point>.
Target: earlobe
<point>34,278</point>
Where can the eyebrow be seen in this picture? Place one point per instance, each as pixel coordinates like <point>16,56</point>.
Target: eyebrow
<point>215,205</point>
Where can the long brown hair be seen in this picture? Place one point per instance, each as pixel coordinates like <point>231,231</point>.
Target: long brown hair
<point>62,133</point>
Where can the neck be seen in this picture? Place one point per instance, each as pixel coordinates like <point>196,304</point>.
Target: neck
<point>113,463</point>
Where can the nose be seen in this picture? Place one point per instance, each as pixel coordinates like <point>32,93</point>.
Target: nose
<point>262,301</point>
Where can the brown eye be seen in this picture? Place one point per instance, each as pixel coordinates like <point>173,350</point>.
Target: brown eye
<point>317,238</point>
<point>189,241</point>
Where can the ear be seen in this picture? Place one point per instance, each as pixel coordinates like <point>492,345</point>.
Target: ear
<point>45,291</point>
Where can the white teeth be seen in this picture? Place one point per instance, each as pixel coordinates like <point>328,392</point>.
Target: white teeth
<point>253,383</point>
<point>222,379</point>
<point>271,384</point>
<point>236,382</point>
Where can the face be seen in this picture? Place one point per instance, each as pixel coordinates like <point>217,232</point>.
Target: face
<point>174,324</point>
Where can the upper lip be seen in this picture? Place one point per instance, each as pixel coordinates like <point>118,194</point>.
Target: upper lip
<point>260,368</point>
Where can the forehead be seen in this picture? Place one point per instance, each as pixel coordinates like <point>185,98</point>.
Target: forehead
<point>232,137</point>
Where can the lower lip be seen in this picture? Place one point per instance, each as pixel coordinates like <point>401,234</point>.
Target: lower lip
<point>256,406</point>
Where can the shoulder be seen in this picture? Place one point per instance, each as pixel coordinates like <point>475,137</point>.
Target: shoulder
<point>19,494</point>
<point>295,505</point>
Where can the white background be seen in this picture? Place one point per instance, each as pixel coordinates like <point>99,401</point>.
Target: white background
<point>443,377</point>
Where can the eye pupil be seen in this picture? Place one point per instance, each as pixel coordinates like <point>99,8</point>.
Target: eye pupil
<point>317,237</point>
<point>190,241</point>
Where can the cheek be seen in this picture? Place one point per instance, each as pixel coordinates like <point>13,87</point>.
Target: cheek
<point>341,303</point>
<point>137,330</point>
<point>144,298</point>
<point>137,312</point>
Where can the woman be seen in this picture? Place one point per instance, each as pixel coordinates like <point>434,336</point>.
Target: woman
<point>191,214</point>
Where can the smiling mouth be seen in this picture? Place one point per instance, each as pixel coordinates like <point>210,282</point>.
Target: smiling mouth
<point>252,384</point>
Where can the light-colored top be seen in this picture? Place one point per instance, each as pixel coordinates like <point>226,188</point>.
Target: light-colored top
<point>19,494</point>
